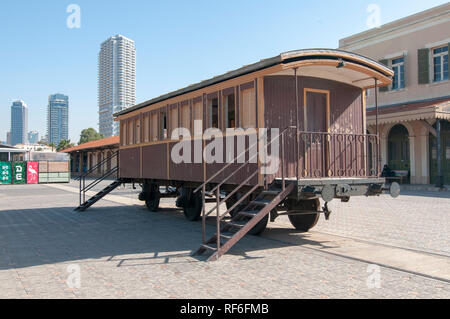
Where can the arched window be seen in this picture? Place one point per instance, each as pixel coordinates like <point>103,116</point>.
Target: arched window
<point>445,154</point>
<point>398,148</point>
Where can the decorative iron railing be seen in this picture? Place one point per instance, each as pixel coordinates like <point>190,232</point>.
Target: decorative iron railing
<point>323,155</point>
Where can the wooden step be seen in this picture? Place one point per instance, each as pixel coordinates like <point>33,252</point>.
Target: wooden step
<point>209,247</point>
<point>273,192</point>
<point>91,201</point>
<point>237,224</point>
<point>251,213</point>
<point>236,229</point>
<point>261,202</point>
<point>227,235</point>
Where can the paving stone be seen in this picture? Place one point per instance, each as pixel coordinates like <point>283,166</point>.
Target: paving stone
<point>127,252</point>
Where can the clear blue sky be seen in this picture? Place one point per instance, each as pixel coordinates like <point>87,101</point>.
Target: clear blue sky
<point>178,43</point>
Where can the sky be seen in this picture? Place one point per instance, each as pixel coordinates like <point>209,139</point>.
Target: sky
<point>178,43</point>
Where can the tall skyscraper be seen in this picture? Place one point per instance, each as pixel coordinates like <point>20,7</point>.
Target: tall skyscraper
<point>19,123</point>
<point>57,118</point>
<point>33,137</point>
<point>116,81</point>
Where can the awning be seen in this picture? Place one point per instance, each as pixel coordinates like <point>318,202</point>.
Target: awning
<point>12,150</point>
<point>416,111</point>
<point>109,142</point>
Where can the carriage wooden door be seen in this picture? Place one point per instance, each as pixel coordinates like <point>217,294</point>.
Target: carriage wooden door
<point>317,109</point>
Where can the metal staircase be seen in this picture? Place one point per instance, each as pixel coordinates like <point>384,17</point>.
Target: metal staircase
<point>253,212</point>
<point>85,204</point>
<point>243,222</point>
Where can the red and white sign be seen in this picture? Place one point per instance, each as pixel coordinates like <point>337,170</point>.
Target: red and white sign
<point>32,172</point>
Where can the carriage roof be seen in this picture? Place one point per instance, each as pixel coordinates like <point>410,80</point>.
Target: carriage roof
<point>289,60</point>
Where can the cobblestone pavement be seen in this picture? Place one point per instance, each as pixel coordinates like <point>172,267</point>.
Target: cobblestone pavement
<point>415,220</point>
<point>126,252</point>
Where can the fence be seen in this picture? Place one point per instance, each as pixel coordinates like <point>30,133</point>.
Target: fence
<point>34,172</point>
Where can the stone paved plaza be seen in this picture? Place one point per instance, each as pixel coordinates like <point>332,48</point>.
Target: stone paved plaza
<point>124,251</point>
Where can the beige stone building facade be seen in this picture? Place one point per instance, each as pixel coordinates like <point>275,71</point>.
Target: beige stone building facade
<point>415,110</point>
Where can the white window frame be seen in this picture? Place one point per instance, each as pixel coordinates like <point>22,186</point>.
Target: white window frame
<point>441,56</point>
<point>401,76</point>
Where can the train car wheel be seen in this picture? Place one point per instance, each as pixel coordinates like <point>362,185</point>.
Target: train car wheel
<point>193,206</point>
<point>153,198</point>
<point>230,202</point>
<point>304,222</point>
<point>260,227</point>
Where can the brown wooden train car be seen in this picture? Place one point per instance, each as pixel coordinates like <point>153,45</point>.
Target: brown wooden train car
<point>267,139</point>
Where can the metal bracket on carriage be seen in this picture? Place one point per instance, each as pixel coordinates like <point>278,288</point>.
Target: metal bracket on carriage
<point>326,211</point>
<point>393,189</point>
<point>328,193</point>
<point>309,192</point>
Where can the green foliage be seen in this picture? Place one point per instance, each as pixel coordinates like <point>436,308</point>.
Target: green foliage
<point>88,135</point>
<point>63,145</point>
<point>52,145</point>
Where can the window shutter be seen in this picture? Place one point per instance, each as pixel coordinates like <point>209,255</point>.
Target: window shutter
<point>424,66</point>
<point>384,88</point>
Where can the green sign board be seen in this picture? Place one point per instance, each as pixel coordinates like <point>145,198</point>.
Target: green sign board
<point>19,173</point>
<point>5,173</point>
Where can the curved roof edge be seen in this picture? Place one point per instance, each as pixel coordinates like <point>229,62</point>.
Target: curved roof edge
<point>338,54</point>
<point>286,57</point>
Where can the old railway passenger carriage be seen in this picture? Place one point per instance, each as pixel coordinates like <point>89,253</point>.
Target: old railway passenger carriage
<point>316,100</point>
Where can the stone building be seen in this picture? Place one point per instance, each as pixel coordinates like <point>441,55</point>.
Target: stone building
<point>86,156</point>
<point>414,112</point>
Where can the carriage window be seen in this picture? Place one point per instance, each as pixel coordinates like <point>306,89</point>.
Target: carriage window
<point>230,111</point>
<point>163,126</point>
<point>130,132</point>
<point>154,127</point>
<point>198,115</point>
<point>123,133</point>
<point>248,109</point>
<point>146,124</point>
<point>185,114</point>
<point>173,120</point>
<point>213,113</point>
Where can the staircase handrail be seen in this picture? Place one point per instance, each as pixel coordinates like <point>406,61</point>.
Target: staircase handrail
<point>233,162</point>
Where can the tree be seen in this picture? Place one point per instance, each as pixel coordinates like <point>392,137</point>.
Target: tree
<point>63,145</point>
<point>52,145</point>
<point>43,142</point>
<point>88,135</point>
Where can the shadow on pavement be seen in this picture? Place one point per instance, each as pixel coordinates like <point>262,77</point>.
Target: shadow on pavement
<point>125,235</point>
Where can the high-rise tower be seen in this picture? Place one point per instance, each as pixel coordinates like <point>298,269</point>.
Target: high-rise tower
<point>116,81</point>
<point>57,118</point>
<point>19,123</point>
